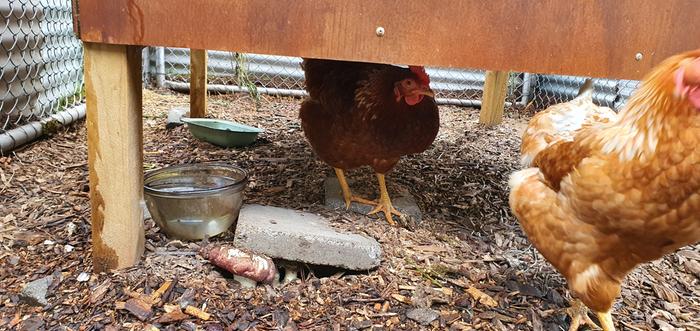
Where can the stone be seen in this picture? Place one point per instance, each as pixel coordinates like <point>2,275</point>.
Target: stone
<point>402,201</point>
<point>13,260</point>
<point>83,277</point>
<point>33,323</point>
<point>34,293</point>
<point>175,116</point>
<point>303,237</point>
<point>422,316</point>
<point>146,212</point>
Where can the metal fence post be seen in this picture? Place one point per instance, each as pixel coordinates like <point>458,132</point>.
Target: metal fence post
<point>146,65</point>
<point>160,67</point>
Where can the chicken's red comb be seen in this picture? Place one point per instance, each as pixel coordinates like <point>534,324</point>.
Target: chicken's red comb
<point>420,72</point>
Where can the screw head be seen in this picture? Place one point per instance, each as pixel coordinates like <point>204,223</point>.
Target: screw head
<point>380,31</point>
<point>638,56</point>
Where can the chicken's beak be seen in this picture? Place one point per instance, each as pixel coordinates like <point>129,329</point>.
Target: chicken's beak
<point>429,93</point>
<point>425,91</point>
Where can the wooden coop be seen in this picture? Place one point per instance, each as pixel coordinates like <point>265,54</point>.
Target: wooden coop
<point>604,38</point>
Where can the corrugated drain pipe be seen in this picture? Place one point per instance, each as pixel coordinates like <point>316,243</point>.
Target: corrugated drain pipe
<point>29,132</point>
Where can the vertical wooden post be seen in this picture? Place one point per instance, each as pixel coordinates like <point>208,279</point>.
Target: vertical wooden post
<point>198,82</point>
<point>115,153</point>
<point>493,103</point>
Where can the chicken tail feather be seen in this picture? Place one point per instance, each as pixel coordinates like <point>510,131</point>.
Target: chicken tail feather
<point>586,89</point>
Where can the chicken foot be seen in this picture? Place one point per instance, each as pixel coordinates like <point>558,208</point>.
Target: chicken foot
<point>579,316</point>
<point>384,204</point>
<point>606,321</point>
<point>347,194</point>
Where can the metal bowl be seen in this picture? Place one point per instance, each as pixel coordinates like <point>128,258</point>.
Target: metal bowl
<point>189,202</point>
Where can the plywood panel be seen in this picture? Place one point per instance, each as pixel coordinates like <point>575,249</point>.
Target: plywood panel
<point>582,37</point>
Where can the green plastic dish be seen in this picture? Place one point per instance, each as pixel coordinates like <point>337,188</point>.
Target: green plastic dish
<point>221,132</point>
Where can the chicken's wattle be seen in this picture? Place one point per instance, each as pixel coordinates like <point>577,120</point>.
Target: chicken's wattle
<point>694,97</point>
<point>413,100</point>
<point>684,88</point>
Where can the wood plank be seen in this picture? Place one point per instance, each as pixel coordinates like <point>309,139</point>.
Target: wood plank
<point>198,83</point>
<point>115,153</point>
<point>495,88</point>
<point>579,37</point>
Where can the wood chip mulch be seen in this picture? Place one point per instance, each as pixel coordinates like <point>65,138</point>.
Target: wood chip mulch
<point>466,266</point>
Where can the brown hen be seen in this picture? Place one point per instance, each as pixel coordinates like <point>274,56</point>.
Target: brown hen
<point>366,114</point>
<point>619,193</point>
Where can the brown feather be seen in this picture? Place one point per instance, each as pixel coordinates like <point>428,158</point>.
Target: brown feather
<point>558,160</point>
<point>616,194</point>
<point>352,118</point>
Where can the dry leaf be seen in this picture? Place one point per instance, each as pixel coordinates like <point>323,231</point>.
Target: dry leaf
<point>174,315</point>
<point>32,238</point>
<point>664,326</point>
<point>401,298</point>
<point>482,297</point>
<point>536,321</point>
<point>693,267</point>
<point>664,292</point>
<point>155,296</point>
<point>170,308</point>
<point>689,254</point>
<point>99,292</point>
<point>499,239</point>
<point>139,308</point>
<point>430,248</point>
<point>198,313</point>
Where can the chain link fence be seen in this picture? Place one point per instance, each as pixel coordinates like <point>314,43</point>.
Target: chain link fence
<point>41,61</point>
<point>552,89</point>
<point>281,75</point>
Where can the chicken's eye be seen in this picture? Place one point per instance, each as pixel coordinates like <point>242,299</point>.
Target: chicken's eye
<point>408,83</point>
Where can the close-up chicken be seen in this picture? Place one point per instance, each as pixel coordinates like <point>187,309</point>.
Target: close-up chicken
<point>366,114</point>
<point>618,191</point>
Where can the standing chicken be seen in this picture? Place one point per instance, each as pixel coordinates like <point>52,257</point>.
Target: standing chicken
<point>620,193</point>
<point>361,114</point>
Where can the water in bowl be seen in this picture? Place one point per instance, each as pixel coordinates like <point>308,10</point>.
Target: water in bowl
<point>192,183</point>
<point>199,228</point>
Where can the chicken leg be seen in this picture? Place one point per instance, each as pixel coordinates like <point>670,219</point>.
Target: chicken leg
<point>347,194</point>
<point>384,203</point>
<point>579,317</point>
<point>606,321</point>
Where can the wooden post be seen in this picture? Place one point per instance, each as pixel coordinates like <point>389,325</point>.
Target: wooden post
<point>198,83</point>
<point>493,103</point>
<point>115,154</point>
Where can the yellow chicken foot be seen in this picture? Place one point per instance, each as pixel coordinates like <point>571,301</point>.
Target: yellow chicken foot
<point>606,321</point>
<point>347,194</point>
<point>384,203</point>
<point>579,316</point>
